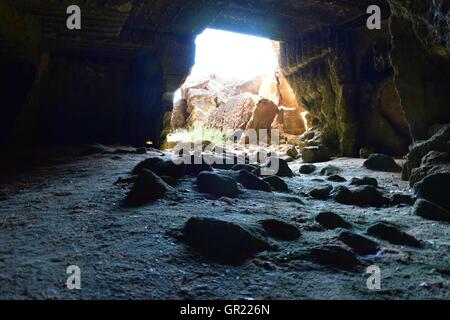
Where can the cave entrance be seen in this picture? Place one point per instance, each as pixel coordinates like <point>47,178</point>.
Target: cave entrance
<point>235,87</point>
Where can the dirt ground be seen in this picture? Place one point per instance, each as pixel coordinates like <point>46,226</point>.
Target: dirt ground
<point>68,213</point>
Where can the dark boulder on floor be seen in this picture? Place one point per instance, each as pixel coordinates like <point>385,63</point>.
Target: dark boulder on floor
<point>171,181</point>
<point>148,187</point>
<point>336,178</point>
<point>430,211</point>
<point>399,199</point>
<point>334,256</point>
<point>278,167</point>
<point>392,234</point>
<point>146,164</point>
<point>307,168</point>
<point>368,196</point>
<point>217,185</point>
<point>329,170</point>
<point>381,162</point>
<point>342,195</point>
<point>315,154</point>
<point>250,181</point>
<point>435,188</point>
<point>321,193</point>
<point>331,221</point>
<point>359,244</point>
<point>223,241</point>
<point>280,230</point>
<point>364,181</point>
<point>363,196</point>
<point>161,167</point>
<point>277,183</point>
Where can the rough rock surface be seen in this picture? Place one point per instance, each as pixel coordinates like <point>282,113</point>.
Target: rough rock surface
<point>148,187</point>
<point>223,241</point>
<point>435,188</point>
<point>392,234</point>
<point>382,162</point>
<point>431,211</point>
<point>217,185</point>
<point>360,244</point>
<point>331,220</point>
<point>280,230</point>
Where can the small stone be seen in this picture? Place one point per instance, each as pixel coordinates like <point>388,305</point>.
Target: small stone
<point>281,230</point>
<point>368,196</point>
<point>431,211</point>
<point>147,188</point>
<point>392,234</point>
<point>381,162</point>
<point>329,170</point>
<point>331,221</point>
<point>315,154</point>
<point>334,256</point>
<point>223,241</point>
<point>364,181</point>
<point>360,245</point>
<point>342,195</point>
<point>336,178</point>
<point>280,168</point>
<point>217,185</point>
<point>307,168</point>
<point>321,193</point>
<point>250,181</point>
<point>401,199</point>
<point>277,183</point>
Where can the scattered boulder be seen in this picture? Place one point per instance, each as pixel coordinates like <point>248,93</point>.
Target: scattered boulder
<point>148,187</point>
<point>217,185</point>
<point>329,170</point>
<point>315,154</point>
<point>401,199</point>
<point>331,221</point>
<point>360,244</point>
<point>283,168</point>
<point>146,164</point>
<point>364,181</point>
<point>321,193</point>
<point>250,181</point>
<point>368,196</point>
<point>277,183</point>
<point>223,241</point>
<point>435,188</point>
<point>161,167</point>
<point>392,234</point>
<point>381,162</point>
<point>334,256</point>
<point>280,230</point>
<point>336,178</point>
<point>307,168</point>
<point>342,195</point>
<point>430,211</point>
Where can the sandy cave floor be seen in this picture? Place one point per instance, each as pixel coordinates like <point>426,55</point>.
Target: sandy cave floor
<point>68,213</point>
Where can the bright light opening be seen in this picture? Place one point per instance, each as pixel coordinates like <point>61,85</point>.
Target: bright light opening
<point>232,56</point>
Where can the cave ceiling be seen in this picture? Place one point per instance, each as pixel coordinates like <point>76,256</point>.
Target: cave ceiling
<point>127,27</point>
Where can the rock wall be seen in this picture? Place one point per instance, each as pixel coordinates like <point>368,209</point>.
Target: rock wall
<point>343,77</point>
<point>51,95</point>
<point>421,58</point>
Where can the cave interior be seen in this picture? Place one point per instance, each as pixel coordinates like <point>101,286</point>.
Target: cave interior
<point>88,134</point>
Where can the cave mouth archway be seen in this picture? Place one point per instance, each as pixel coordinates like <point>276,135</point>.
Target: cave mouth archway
<point>235,85</point>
